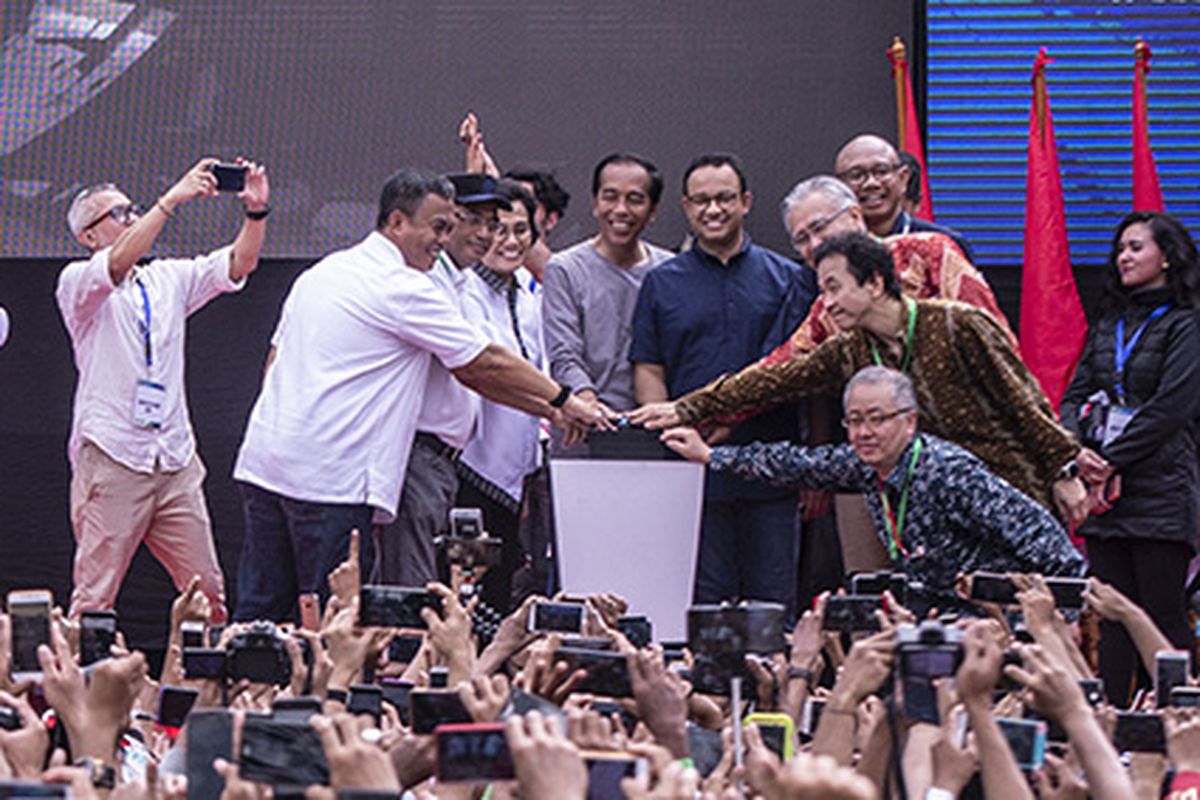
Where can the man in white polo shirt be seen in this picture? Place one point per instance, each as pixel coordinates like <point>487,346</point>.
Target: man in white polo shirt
<point>330,436</point>
<point>135,472</point>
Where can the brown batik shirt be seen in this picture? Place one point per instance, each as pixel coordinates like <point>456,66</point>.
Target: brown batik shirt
<point>972,389</point>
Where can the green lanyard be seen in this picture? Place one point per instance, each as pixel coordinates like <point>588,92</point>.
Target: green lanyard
<point>895,524</point>
<point>910,328</point>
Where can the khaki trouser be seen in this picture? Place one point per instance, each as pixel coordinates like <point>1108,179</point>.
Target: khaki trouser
<point>114,509</point>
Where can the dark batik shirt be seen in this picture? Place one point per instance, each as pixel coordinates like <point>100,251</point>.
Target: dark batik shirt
<point>960,517</point>
<point>972,389</point>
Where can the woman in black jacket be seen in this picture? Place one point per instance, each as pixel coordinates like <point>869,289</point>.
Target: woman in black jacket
<point>1133,400</point>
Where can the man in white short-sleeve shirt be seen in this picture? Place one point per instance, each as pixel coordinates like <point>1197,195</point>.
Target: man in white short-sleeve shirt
<point>136,475</point>
<point>329,438</point>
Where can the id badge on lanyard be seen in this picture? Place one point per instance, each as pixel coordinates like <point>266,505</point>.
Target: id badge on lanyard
<point>149,396</point>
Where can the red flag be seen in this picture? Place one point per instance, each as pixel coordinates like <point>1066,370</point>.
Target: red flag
<point>1053,326</point>
<point>907,123</point>
<point>1147,196</point>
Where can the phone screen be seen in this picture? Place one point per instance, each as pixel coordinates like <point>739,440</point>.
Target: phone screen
<point>473,753</point>
<point>989,587</point>
<point>1139,733</point>
<point>97,635</point>
<point>30,628</point>
<point>210,736</point>
<point>174,704</point>
<point>852,613</point>
<point>557,618</point>
<point>430,708</point>
<point>395,606</point>
<point>1170,670</point>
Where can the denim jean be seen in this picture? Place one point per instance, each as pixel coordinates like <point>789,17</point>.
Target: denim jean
<point>290,548</point>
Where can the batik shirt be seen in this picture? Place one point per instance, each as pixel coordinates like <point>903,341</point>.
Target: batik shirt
<point>959,516</point>
<point>972,389</point>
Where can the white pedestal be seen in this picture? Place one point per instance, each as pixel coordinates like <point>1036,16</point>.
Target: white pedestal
<point>630,527</point>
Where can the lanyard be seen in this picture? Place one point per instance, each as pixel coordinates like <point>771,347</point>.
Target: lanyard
<point>1122,350</point>
<point>144,324</point>
<point>894,523</point>
<point>910,328</point>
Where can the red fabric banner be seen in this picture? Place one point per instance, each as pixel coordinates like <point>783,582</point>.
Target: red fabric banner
<point>1053,326</point>
<point>1147,196</point>
<point>908,124</point>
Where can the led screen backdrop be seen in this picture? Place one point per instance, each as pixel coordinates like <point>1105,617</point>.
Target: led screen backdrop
<point>334,95</point>
<point>980,57</point>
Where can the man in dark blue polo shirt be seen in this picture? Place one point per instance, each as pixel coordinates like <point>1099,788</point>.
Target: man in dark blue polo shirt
<point>711,310</point>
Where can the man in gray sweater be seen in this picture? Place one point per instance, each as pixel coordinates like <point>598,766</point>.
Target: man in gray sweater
<point>591,288</point>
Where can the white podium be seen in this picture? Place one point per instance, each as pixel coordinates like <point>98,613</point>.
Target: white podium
<point>630,527</point>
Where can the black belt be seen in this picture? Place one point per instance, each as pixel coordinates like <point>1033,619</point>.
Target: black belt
<point>434,443</point>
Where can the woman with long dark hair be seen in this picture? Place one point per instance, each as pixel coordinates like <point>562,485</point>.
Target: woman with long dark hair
<point>1133,401</point>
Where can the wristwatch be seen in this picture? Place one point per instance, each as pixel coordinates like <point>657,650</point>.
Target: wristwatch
<point>561,398</point>
<point>102,776</point>
<point>1069,470</point>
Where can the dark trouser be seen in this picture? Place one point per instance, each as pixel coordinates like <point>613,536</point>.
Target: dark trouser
<point>748,551</point>
<point>821,566</point>
<point>407,556</point>
<point>290,548</point>
<point>500,523</point>
<point>1151,574</point>
<point>537,572</point>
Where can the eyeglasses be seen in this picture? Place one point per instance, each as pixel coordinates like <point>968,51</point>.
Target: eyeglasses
<point>815,228</point>
<point>872,419</point>
<point>723,200</point>
<point>123,213</point>
<point>859,175</point>
<point>474,220</point>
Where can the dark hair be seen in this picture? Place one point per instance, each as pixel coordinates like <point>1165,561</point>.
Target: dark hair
<point>405,190</point>
<point>1177,246</point>
<point>865,256</point>
<point>516,193</point>
<point>656,181</point>
<point>546,188</point>
<point>912,192</point>
<point>716,160</point>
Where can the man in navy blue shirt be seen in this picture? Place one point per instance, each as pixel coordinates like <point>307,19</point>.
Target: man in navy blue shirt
<point>712,309</point>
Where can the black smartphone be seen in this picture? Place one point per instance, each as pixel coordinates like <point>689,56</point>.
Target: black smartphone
<point>547,617</point>
<point>992,587</point>
<point>97,635</point>
<point>230,177</point>
<point>19,790</point>
<point>638,630</point>
<point>396,691</point>
<point>473,753</point>
<point>295,709</point>
<point>403,649</point>
<point>210,736</point>
<point>851,613</point>
<point>276,752</point>
<point>203,663</point>
<point>1185,697</point>
<point>365,699</point>
<point>1139,733</point>
<point>1068,592</point>
<point>607,672</point>
<point>1170,670</point>
<point>607,770</point>
<point>395,606</point>
<point>174,705</point>
<point>429,708</point>
<point>439,678</point>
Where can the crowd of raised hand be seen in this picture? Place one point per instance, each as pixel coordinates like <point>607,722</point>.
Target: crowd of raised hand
<point>72,725</point>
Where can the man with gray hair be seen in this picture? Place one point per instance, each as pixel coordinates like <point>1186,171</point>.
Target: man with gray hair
<point>136,475</point>
<point>936,508</point>
<point>330,435</point>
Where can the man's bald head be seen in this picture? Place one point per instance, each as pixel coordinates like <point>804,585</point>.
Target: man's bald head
<point>870,166</point>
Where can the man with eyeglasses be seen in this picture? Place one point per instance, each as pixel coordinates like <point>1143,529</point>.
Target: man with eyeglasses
<point>714,308</point>
<point>870,166</point>
<point>449,411</point>
<point>136,475</point>
<point>974,390</point>
<point>936,508</point>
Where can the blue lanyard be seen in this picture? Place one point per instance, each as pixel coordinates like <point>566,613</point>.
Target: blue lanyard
<point>1122,350</point>
<point>144,325</point>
